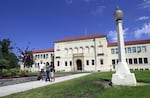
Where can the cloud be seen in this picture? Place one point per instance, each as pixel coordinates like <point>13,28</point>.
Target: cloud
<point>113,34</point>
<point>98,10</point>
<point>143,18</point>
<point>145,4</point>
<point>143,30</point>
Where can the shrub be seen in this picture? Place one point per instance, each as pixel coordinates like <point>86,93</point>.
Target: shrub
<point>23,72</point>
<point>6,72</point>
<point>14,71</point>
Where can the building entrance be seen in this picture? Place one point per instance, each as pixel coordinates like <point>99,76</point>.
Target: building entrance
<point>78,62</point>
<point>79,65</point>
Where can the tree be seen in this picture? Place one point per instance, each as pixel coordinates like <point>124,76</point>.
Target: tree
<point>5,46</point>
<point>26,57</point>
<point>3,64</point>
<point>7,55</point>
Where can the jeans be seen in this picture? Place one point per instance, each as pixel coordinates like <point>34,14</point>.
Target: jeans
<point>47,75</point>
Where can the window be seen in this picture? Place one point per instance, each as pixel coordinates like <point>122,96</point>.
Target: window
<point>92,62</point>
<point>135,60</point>
<point>101,61</point>
<point>87,62</point>
<point>117,61</point>
<point>130,61</point>
<point>143,48</point>
<point>138,49</point>
<point>66,51</point>
<point>127,60</point>
<point>87,49</point>
<point>125,50</point>
<point>44,56</point>
<point>112,51</point>
<point>92,49</point>
<point>140,61</point>
<point>145,61</point>
<point>116,50</point>
<point>76,50</point>
<point>65,63</point>
<point>35,57</point>
<point>134,49</point>
<point>70,50</point>
<point>58,63</point>
<point>113,62</point>
<point>129,49</point>
<point>70,63</point>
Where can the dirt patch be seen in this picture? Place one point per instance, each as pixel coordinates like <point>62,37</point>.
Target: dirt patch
<point>142,84</point>
<point>106,84</point>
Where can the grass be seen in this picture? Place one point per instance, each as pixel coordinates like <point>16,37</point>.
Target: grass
<point>89,87</point>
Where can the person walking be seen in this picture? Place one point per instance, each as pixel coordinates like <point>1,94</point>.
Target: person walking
<point>52,70</point>
<point>47,72</point>
<point>41,71</point>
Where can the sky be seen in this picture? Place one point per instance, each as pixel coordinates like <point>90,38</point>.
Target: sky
<point>39,23</point>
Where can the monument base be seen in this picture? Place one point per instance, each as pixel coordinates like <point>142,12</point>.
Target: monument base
<point>123,76</point>
<point>125,80</point>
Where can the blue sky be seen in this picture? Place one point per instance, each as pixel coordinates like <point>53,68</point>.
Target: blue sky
<point>41,22</point>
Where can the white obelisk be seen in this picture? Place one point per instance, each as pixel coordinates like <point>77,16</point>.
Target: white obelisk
<point>122,75</point>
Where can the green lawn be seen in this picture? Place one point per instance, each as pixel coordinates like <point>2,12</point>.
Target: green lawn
<point>89,87</point>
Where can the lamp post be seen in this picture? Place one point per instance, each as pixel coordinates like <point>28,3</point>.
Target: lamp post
<point>122,75</point>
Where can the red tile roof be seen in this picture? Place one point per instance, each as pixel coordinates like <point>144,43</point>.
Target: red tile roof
<point>43,50</point>
<point>131,42</point>
<point>81,38</point>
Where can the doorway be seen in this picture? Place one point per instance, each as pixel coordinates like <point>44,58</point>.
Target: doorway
<point>79,65</point>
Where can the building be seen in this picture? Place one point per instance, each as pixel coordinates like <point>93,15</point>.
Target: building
<point>84,53</point>
<point>93,53</point>
<point>44,55</point>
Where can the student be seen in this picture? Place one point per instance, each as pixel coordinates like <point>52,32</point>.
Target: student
<point>41,71</point>
<point>52,70</point>
<point>47,72</point>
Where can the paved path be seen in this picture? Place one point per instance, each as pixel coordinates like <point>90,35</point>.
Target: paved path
<point>10,89</point>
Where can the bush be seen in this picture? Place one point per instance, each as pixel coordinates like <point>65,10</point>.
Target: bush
<point>23,72</point>
<point>14,71</point>
<point>6,72</point>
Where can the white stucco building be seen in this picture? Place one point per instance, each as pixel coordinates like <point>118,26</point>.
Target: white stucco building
<point>93,53</point>
<point>44,55</point>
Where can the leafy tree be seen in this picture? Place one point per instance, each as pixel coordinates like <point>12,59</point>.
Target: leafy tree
<point>26,57</point>
<point>3,64</point>
<point>5,47</point>
<point>13,61</point>
<point>7,55</point>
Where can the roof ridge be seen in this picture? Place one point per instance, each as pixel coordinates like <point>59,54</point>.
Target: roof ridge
<point>43,50</point>
<point>131,42</point>
<point>81,37</point>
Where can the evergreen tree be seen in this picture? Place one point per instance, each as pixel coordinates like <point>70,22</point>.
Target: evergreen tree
<point>6,55</point>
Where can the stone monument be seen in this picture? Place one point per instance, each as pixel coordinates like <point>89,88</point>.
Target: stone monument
<point>122,76</point>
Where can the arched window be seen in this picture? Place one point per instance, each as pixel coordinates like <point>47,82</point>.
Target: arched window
<point>81,50</point>
<point>70,51</point>
<point>92,49</point>
<point>86,49</point>
<point>75,50</point>
<point>66,51</point>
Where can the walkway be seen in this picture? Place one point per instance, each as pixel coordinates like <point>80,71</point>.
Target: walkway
<point>7,90</point>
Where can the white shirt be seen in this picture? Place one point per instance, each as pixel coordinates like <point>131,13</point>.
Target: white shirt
<point>41,66</point>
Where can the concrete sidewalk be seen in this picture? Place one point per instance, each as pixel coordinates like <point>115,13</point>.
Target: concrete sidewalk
<point>6,90</point>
